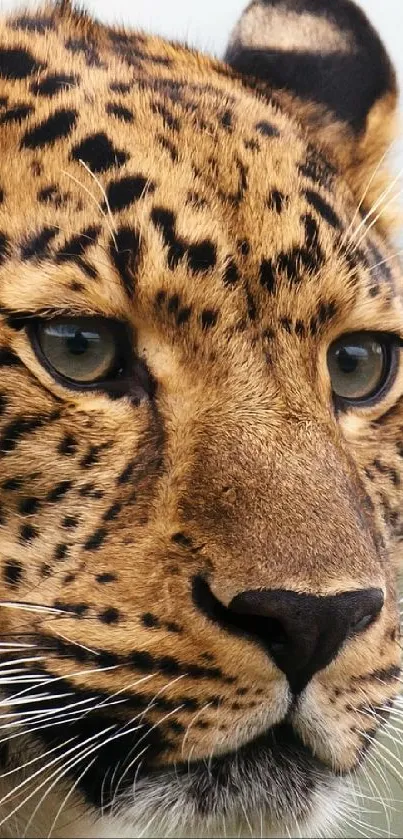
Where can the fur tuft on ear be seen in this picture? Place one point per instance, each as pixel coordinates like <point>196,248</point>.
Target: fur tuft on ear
<point>329,58</point>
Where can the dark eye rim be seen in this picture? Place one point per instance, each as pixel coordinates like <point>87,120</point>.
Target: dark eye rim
<point>391,344</point>
<point>128,377</point>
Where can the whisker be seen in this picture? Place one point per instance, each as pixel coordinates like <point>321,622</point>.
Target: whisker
<point>368,187</point>
<point>68,796</point>
<point>66,768</point>
<point>125,773</point>
<point>378,203</point>
<point>374,221</point>
<point>112,225</point>
<point>32,607</point>
<point>35,759</point>
<point>76,643</point>
<point>385,261</point>
<point>93,198</point>
<point>192,722</point>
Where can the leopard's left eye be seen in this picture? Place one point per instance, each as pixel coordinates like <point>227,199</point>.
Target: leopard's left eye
<point>83,350</point>
<point>362,366</point>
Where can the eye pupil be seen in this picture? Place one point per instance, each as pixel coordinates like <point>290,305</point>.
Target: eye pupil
<point>347,361</point>
<point>77,344</point>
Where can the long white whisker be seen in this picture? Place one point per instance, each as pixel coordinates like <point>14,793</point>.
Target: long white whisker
<point>105,197</point>
<point>43,769</point>
<point>385,261</point>
<point>32,607</point>
<point>376,204</point>
<point>375,220</point>
<point>368,187</point>
<point>95,200</point>
<point>68,796</point>
<point>35,759</point>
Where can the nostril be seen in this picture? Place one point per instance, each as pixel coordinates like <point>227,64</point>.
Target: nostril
<point>362,624</point>
<point>272,633</point>
<point>276,636</point>
<point>368,613</point>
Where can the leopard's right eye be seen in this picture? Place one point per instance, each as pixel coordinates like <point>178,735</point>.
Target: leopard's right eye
<point>91,354</point>
<point>80,350</point>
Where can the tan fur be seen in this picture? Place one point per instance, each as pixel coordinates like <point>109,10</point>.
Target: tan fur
<point>241,450</point>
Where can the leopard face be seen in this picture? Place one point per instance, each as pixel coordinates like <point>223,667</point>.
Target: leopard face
<point>200,423</point>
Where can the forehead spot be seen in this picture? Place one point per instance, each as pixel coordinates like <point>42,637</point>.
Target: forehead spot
<point>267,129</point>
<point>75,248</point>
<point>56,127</point>
<point>16,114</point>
<point>209,318</point>
<point>317,169</point>
<point>33,24</point>
<point>87,48</point>
<point>27,533</point>
<point>323,208</point>
<point>202,256</point>
<point>105,578</point>
<point>277,201</point>
<point>99,153</point>
<point>125,252</point>
<point>120,87</point>
<point>267,277</point>
<point>53,84</point>
<point>96,540</point>
<point>4,247</point>
<point>169,147</point>
<point>60,552</point>
<point>126,191</point>
<point>12,572</point>
<point>231,274</point>
<point>119,111</point>
<point>70,522</point>
<point>37,246</point>
<point>29,506</point>
<point>311,230</point>
<point>17,64</point>
<point>59,491</point>
<point>109,616</point>
<point>52,195</point>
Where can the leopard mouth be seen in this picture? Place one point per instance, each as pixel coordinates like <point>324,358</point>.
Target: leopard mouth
<point>274,782</point>
<point>271,785</point>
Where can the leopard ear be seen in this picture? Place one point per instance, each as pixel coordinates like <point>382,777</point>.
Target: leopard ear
<point>329,57</point>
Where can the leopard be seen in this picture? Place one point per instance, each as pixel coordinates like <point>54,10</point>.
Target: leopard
<point>201,423</point>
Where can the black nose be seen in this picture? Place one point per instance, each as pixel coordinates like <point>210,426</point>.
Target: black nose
<point>303,633</point>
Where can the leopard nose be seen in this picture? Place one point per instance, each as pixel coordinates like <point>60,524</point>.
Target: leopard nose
<point>303,633</point>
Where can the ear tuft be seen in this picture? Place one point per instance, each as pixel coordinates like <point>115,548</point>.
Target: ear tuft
<point>325,51</point>
<point>329,58</point>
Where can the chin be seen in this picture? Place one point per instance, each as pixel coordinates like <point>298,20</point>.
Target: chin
<point>271,787</point>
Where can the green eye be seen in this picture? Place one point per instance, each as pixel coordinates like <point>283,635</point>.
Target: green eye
<point>361,365</point>
<point>82,350</point>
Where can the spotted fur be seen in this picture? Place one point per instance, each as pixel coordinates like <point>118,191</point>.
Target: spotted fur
<point>228,214</point>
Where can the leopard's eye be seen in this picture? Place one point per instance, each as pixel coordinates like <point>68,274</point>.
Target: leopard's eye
<point>81,350</point>
<point>361,366</point>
